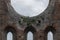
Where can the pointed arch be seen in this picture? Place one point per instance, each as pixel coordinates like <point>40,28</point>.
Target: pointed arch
<point>31,30</point>
<point>49,31</point>
<point>10,32</point>
<point>50,28</point>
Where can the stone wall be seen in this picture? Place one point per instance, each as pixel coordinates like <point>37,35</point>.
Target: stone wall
<point>40,25</point>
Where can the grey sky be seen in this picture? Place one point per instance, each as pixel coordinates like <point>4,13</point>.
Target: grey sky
<point>9,36</point>
<point>50,36</point>
<point>30,36</point>
<point>29,7</point>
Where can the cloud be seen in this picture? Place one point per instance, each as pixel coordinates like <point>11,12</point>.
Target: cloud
<point>29,7</point>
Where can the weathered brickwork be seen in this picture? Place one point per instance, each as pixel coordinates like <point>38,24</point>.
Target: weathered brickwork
<point>40,25</point>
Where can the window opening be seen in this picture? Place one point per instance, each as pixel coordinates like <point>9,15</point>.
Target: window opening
<point>29,36</point>
<point>9,36</point>
<point>50,36</point>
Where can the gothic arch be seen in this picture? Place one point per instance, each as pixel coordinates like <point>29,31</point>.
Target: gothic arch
<point>49,29</point>
<point>10,29</point>
<point>31,29</point>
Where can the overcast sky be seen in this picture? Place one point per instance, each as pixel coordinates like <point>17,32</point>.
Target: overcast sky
<point>29,8</point>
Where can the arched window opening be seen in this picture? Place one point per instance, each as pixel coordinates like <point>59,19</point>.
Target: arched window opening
<point>50,36</point>
<point>9,36</point>
<point>29,36</point>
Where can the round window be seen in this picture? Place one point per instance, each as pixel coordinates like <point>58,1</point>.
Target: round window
<point>29,7</point>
